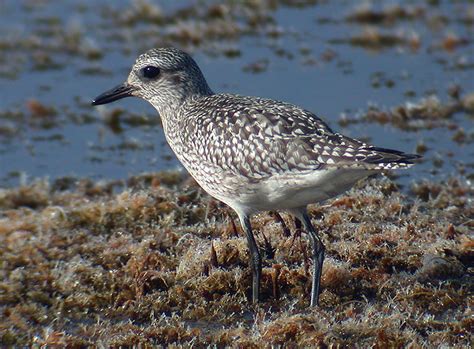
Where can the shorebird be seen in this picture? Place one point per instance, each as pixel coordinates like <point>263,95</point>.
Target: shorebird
<point>254,154</point>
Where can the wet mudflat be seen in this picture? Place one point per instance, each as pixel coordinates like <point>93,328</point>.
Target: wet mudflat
<point>94,251</point>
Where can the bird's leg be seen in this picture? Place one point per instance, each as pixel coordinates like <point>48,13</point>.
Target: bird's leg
<point>317,254</point>
<point>255,258</point>
<point>279,218</point>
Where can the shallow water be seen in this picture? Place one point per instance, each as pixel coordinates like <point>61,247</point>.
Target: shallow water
<point>61,55</point>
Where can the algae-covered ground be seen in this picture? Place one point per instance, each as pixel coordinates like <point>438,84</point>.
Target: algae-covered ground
<point>156,261</point>
<point>105,243</point>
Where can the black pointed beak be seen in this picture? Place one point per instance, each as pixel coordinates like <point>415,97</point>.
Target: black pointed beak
<point>118,92</point>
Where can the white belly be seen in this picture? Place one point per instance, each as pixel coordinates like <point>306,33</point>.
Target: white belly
<point>289,191</point>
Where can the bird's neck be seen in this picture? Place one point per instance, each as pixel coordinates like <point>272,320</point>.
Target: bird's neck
<point>173,110</point>
<point>169,106</point>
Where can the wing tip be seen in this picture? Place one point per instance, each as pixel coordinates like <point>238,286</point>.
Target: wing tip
<point>393,159</point>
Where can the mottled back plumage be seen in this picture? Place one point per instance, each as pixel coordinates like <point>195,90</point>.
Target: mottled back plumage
<point>260,137</point>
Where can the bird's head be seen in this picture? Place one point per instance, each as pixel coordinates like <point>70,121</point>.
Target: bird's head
<point>165,77</point>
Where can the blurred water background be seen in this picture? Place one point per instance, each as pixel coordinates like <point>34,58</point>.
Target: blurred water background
<point>351,64</point>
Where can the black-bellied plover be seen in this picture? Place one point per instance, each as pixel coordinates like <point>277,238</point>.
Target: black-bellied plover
<point>254,154</point>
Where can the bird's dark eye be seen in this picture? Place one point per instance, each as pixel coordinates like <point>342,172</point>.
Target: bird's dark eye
<point>151,72</point>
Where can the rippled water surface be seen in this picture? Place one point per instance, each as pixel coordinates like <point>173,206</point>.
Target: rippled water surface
<point>333,58</point>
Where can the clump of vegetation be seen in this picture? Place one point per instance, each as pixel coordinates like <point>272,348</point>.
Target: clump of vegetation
<point>427,113</point>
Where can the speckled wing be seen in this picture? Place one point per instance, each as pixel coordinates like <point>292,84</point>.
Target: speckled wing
<point>259,137</point>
